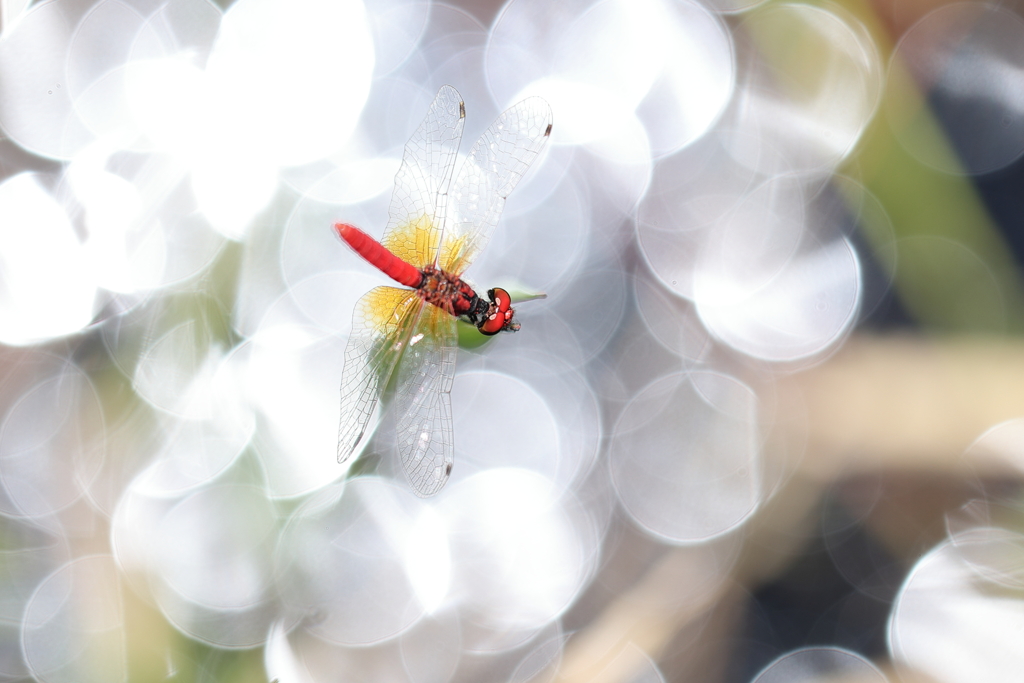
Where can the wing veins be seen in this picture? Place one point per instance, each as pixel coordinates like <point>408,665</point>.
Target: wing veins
<point>373,374</point>
<point>425,438</point>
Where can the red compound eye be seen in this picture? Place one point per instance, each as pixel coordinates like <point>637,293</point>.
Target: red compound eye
<point>501,299</point>
<point>501,313</point>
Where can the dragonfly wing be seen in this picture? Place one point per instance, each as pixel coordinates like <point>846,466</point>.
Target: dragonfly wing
<point>421,185</point>
<point>494,167</point>
<point>423,402</point>
<point>381,327</point>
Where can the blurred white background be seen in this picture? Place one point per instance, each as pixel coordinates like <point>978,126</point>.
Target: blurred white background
<point>764,427</point>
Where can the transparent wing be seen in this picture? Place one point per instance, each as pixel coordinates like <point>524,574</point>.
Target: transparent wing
<point>496,164</point>
<point>421,186</point>
<point>381,327</point>
<point>423,396</point>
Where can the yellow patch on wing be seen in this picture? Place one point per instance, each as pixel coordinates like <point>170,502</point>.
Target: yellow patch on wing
<point>415,241</point>
<point>388,310</point>
<point>453,255</point>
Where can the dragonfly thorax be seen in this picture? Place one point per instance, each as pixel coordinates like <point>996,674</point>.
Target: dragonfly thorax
<point>450,293</point>
<point>447,291</point>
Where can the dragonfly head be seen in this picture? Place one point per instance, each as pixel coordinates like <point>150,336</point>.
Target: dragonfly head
<point>499,317</point>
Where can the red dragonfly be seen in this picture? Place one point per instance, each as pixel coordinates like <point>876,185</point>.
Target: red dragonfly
<point>407,338</point>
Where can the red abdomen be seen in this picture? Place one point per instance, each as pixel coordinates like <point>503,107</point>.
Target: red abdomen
<point>378,255</point>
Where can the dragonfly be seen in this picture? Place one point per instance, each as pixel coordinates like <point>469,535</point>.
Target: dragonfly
<point>405,340</point>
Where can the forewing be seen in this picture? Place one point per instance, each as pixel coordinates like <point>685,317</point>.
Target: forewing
<point>421,185</point>
<point>381,326</point>
<point>423,402</point>
<point>494,167</point>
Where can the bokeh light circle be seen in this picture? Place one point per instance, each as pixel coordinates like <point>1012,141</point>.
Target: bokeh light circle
<point>72,631</point>
<point>52,435</point>
<point>296,435</point>
<point>685,456</point>
<point>772,283</point>
<point>550,407</point>
<point>810,83</point>
<point>32,551</point>
<point>37,109</point>
<point>428,652</point>
<point>820,665</point>
<point>362,567</point>
<point>212,558</point>
<point>955,624</point>
<point>47,287</point>
<point>672,320</point>
<point>966,58</point>
<point>668,64</point>
<point>690,193</point>
<point>518,555</point>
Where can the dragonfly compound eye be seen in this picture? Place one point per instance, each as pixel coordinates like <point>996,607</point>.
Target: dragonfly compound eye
<point>492,324</point>
<point>499,314</point>
<point>500,298</point>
